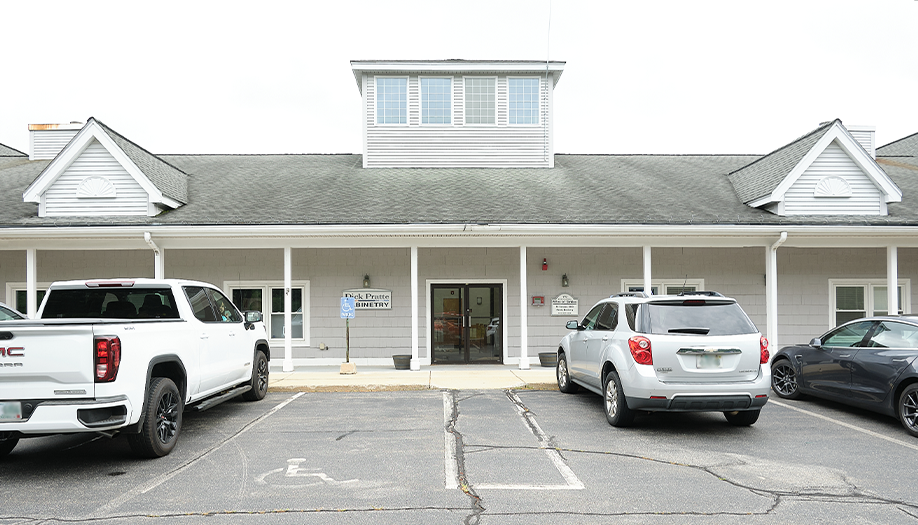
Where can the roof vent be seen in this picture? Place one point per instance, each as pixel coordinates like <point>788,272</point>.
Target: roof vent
<point>47,140</point>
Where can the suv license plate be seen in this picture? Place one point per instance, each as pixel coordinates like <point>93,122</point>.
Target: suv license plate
<point>708,361</point>
<point>10,411</point>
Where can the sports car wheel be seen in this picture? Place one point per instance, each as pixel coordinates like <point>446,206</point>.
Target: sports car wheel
<point>784,379</point>
<point>908,409</point>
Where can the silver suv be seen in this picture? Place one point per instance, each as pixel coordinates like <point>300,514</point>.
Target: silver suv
<point>694,352</point>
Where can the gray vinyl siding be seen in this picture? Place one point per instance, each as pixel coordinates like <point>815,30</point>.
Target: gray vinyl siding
<point>46,144</point>
<point>864,200</point>
<point>95,161</point>
<point>458,145</point>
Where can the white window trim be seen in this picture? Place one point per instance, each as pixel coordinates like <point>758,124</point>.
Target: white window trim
<point>538,103</point>
<point>452,100</point>
<point>407,101</point>
<point>266,286</point>
<point>12,288</point>
<point>465,101</point>
<point>661,284</point>
<point>869,284</point>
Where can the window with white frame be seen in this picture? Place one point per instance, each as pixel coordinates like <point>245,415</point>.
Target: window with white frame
<point>436,100</point>
<point>664,287</point>
<point>480,100</point>
<point>524,100</point>
<point>17,295</point>
<point>851,299</point>
<point>391,100</point>
<point>268,298</point>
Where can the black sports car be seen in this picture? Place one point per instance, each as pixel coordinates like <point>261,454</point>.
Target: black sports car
<point>867,363</point>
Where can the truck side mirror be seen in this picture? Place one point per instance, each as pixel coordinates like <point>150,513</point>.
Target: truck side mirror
<point>252,317</point>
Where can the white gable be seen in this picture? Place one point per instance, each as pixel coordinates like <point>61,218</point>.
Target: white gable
<point>836,177</point>
<point>834,185</point>
<point>92,176</point>
<point>94,183</point>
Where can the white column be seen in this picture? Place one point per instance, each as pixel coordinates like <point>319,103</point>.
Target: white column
<point>892,280</point>
<point>31,286</point>
<point>524,318</point>
<point>288,315</point>
<point>648,286</point>
<point>771,293</point>
<point>415,331</point>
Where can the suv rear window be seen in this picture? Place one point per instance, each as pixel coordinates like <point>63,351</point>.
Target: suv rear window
<point>135,303</point>
<point>697,317</point>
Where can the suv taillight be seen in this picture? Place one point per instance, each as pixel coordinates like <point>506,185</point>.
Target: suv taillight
<point>764,356</point>
<point>640,350</point>
<point>108,358</point>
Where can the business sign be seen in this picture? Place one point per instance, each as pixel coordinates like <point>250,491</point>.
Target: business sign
<point>565,306</point>
<point>370,299</point>
<point>347,307</point>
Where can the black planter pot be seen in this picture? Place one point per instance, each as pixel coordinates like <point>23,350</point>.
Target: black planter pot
<point>548,359</point>
<point>402,362</point>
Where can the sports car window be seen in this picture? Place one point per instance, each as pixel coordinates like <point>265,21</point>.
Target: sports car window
<point>847,336</point>
<point>890,334</point>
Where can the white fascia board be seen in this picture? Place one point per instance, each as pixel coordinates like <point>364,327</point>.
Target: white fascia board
<point>360,67</point>
<point>442,236</point>
<point>853,149</point>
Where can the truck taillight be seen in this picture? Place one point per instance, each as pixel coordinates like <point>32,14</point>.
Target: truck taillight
<point>764,356</point>
<point>108,358</point>
<point>640,350</point>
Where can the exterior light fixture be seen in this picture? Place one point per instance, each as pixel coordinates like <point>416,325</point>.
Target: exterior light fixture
<point>564,281</point>
<point>366,281</point>
<point>544,264</point>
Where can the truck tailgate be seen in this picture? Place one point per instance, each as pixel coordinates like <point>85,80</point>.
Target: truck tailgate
<point>46,361</point>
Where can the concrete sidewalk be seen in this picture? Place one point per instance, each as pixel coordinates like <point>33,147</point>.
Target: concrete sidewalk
<point>435,377</point>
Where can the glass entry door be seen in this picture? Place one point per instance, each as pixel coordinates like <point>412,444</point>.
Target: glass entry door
<point>466,325</point>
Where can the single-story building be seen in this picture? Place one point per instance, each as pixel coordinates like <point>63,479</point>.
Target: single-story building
<point>461,233</point>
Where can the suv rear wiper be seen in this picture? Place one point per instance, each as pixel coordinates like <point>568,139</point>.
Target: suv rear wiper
<point>688,330</point>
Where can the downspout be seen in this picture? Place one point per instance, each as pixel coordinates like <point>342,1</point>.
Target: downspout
<point>157,256</point>
<point>771,293</point>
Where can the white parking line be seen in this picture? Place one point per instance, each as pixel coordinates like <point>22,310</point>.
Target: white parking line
<point>117,502</point>
<point>846,425</point>
<point>572,482</point>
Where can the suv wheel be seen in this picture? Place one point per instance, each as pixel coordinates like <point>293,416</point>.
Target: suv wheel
<point>743,418</point>
<point>564,375</point>
<point>617,412</point>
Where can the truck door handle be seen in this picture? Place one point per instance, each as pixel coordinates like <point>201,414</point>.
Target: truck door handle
<point>232,334</point>
<point>605,338</point>
<point>203,336</point>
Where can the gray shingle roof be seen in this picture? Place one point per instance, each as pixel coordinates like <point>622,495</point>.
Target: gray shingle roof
<point>336,190</point>
<point>6,151</point>
<point>904,147</point>
<point>169,179</point>
<point>760,178</point>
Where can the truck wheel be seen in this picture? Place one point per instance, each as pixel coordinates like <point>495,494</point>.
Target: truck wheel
<point>259,381</point>
<point>162,420</point>
<point>617,412</point>
<point>7,445</point>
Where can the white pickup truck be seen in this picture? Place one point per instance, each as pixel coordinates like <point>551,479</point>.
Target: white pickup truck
<point>126,356</point>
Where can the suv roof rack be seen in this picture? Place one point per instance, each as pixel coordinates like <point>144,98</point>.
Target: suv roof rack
<point>701,292</point>
<point>630,294</point>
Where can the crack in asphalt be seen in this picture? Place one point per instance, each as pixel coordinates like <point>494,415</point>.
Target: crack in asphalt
<point>464,485</point>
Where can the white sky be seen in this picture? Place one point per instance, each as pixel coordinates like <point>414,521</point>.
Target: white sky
<point>662,76</point>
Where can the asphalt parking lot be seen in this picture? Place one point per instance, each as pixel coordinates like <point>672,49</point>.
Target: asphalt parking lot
<point>475,456</point>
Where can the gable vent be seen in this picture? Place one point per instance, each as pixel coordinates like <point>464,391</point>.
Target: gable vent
<point>832,187</point>
<point>95,187</point>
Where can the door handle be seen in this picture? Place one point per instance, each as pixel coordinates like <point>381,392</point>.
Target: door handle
<point>845,355</point>
<point>605,338</point>
<point>203,336</point>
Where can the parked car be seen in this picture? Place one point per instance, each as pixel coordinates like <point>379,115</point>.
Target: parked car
<point>694,352</point>
<point>867,363</point>
<point>9,314</point>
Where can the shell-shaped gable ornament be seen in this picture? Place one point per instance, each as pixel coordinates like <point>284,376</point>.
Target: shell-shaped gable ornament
<point>832,187</point>
<point>95,187</point>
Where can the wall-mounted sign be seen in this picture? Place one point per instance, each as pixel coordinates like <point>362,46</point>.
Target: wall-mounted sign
<point>565,306</point>
<point>370,299</point>
<point>538,300</point>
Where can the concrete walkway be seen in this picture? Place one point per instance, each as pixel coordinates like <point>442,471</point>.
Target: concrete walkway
<point>436,377</point>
